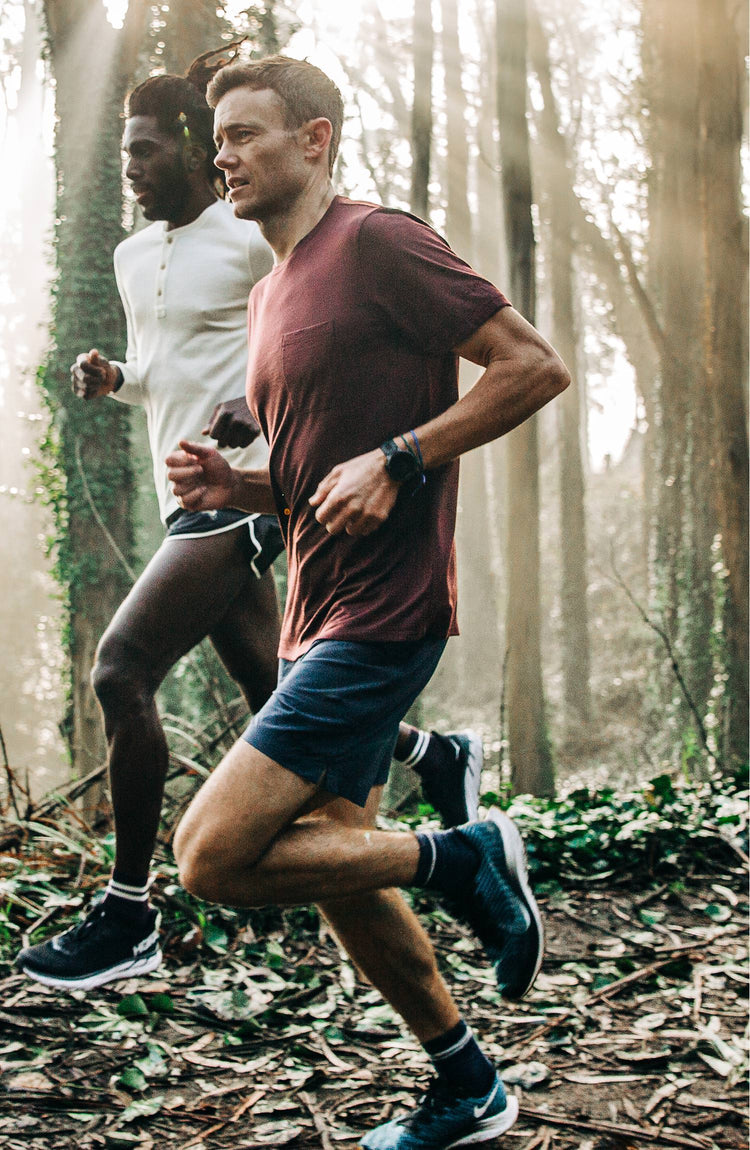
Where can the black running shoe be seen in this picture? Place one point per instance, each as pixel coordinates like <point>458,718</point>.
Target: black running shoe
<point>453,789</point>
<point>500,906</point>
<point>100,949</point>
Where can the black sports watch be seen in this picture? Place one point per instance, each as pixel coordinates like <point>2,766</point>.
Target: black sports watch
<point>400,464</point>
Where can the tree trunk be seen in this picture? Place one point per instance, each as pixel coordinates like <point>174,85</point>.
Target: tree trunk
<point>641,349</point>
<point>92,439</point>
<point>530,753</point>
<point>724,232</point>
<point>576,651</point>
<point>685,523</point>
<point>478,656</point>
<point>458,216</point>
<point>421,118</point>
<point>190,27</point>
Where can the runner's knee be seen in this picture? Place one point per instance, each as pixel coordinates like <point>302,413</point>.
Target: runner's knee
<point>205,866</point>
<point>122,683</point>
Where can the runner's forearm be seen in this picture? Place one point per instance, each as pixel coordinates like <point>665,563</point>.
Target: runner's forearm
<point>522,373</point>
<point>252,491</point>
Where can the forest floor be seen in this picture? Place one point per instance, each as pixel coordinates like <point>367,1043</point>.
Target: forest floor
<point>257,1031</point>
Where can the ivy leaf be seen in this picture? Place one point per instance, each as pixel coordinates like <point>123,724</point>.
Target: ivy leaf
<point>162,1004</point>
<point>133,1079</point>
<point>132,1006</point>
<point>215,937</point>
<point>275,957</point>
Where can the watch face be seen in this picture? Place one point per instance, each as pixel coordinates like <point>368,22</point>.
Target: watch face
<point>401,466</point>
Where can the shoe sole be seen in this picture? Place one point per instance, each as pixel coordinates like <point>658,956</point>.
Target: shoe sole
<point>515,861</point>
<point>472,782</point>
<point>490,1127</point>
<point>129,969</point>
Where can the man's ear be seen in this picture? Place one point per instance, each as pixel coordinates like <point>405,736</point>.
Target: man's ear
<point>316,136</point>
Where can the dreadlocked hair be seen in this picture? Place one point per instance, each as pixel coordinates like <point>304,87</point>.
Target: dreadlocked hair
<point>178,104</point>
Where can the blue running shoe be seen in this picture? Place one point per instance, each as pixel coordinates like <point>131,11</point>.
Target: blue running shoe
<point>500,906</point>
<point>444,1120</point>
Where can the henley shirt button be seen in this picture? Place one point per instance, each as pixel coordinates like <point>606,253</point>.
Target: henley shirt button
<point>287,511</point>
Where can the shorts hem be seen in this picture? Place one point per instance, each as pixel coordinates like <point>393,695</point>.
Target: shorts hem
<point>216,531</point>
<point>322,782</point>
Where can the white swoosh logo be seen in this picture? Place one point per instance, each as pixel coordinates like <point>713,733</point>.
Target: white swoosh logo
<point>480,1111</point>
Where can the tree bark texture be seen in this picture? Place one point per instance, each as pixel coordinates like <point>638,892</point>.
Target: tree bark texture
<point>693,203</point>
<point>530,754</point>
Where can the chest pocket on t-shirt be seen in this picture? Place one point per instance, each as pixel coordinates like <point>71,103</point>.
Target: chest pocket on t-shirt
<point>309,364</point>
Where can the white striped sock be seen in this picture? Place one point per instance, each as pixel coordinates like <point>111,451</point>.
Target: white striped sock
<point>421,745</point>
<point>129,893</point>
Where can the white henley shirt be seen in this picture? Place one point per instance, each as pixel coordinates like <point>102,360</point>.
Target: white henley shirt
<point>185,295</point>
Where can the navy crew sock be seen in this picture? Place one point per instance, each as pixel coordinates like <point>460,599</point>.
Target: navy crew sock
<point>460,1063</point>
<point>447,862</point>
<point>126,898</point>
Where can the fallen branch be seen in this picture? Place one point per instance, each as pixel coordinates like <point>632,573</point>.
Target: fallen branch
<point>636,975</point>
<point>605,992</point>
<point>676,669</point>
<point>62,796</point>
<point>9,775</point>
<point>615,1128</point>
<point>320,1124</point>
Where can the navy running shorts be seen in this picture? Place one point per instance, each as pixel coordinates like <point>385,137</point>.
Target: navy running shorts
<point>333,718</point>
<point>264,539</point>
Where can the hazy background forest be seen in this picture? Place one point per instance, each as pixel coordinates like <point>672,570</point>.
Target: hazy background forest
<point>588,158</point>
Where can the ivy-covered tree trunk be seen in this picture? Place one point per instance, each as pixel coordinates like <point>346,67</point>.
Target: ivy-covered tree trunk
<point>530,753</point>
<point>92,488</point>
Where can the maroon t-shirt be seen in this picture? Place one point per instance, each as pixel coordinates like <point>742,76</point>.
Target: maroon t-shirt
<point>351,343</point>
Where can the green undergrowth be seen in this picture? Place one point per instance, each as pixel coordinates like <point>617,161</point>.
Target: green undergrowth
<point>661,834</point>
<point>662,830</point>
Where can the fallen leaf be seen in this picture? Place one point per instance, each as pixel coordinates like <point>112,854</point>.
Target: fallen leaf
<point>274,1133</point>
<point>144,1108</point>
<point>30,1080</point>
<point>525,1074</point>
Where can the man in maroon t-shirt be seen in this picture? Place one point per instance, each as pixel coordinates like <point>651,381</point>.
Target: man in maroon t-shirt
<point>352,374</point>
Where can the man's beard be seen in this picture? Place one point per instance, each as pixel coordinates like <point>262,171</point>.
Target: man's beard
<point>169,201</point>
